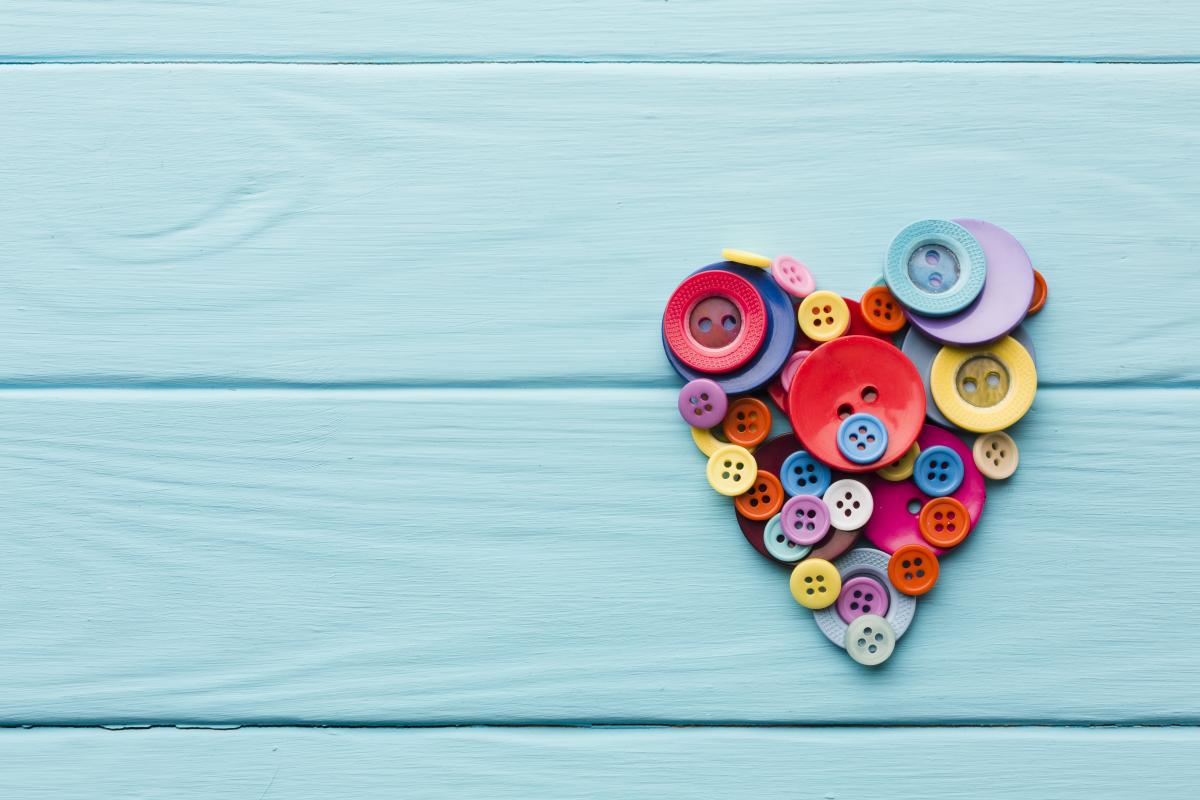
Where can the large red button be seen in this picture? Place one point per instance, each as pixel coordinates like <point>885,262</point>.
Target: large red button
<point>715,321</point>
<point>855,374</point>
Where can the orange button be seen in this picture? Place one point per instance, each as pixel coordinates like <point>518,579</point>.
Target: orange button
<point>944,522</point>
<point>913,569</point>
<point>763,500</point>
<point>1039,293</point>
<point>747,422</point>
<point>881,310</point>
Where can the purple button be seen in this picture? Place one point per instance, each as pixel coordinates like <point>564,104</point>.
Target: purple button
<point>804,519</point>
<point>702,403</point>
<point>861,595</point>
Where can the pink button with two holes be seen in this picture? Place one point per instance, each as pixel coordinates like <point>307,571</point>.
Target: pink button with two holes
<point>862,595</point>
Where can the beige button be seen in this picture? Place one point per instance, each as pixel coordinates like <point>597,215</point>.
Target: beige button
<point>996,455</point>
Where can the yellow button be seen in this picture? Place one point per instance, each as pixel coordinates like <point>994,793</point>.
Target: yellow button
<point>902,468</point>
<point>746,257</point>
<point>983,388</point>
<point>732,470</point>
<point>823,316</point>
<point>816,583</point>
<point>709,444</point>
<point>996,455</point>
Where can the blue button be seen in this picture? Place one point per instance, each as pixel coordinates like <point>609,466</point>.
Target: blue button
<point>939,471</point>
<point>862,438</point>
<point>803,474</point>
<point>935,267</point>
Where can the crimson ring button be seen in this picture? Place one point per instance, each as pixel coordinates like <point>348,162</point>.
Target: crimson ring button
<point>862,438</point>
<point>935,267</point>
<point>853,374</point>
<point>804,519</point>
<point>715,321</point>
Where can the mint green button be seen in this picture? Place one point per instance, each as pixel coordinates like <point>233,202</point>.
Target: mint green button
<point>870,640</point>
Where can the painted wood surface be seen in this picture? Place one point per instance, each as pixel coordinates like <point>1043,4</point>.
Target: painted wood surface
<point>550,555</point>
<point>614,30</point>
<point>916,764</point>
<point>497,224</point>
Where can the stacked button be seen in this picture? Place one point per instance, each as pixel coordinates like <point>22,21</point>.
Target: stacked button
<point>878,480</point>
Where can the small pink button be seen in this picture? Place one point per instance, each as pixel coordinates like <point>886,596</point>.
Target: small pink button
<point>793,277</point>
<point>793,364</point>
<point>861,595</point>
<point>702,403</point>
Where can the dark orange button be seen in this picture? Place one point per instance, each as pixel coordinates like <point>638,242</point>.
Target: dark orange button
<point>1039,293</point>
<point>913,569</point>
<point>881,310</point>
<point>763,500</point>
<point>944,522</point>
<point>747,422</point>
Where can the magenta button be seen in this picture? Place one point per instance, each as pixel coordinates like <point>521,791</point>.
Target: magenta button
<point>702,403</point>
<point>861,595</point>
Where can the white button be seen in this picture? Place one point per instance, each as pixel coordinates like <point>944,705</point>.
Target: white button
<point>850,504</point>
<point>870,640</point>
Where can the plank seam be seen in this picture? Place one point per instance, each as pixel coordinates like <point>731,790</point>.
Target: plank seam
<point>1066,724</point>
<point>1015,61</point>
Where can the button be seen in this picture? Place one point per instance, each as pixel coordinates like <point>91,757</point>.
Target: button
<point>902,468</point>
<point>996,455</point>
<point>938,471</point>
<point>702,403</point>
<point>861,595</point>
<point>872,563</point>
<point>707,443</point>
<point>862,438</point>
<point>1039,293</point>
<point>881,310</point>
<point>793,277</point>
<point>803,474</point>
<point>944,522</point>
<point>747,422</point>
<point>779,547</point>
<point>1001,305</point>
<point>763,499</point>
<point>985,388</point>
<point>745,257</point>
<point>850,504</point>
<point>715,321</point>
<point>935,267</point>
<point>823,316</point>
<point>793,364</point>
<point>913,569</point>
<point>731,470</point>
<point>870,640</point>
<point>850,375</point>
<point>815,583</point>
<point>805,519</point>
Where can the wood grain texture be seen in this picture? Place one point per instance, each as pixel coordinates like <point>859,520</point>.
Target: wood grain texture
<point>937,764</point>
<point>504,556</point>
<point>614,30</point>
<point>475,224</point>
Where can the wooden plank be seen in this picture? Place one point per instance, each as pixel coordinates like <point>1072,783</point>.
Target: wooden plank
<point>463,225</point>
<point>666,763</point>
<point>616,30</point>
<point>545,555</point>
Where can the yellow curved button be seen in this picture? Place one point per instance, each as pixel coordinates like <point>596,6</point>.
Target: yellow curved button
<point>902,468</point>
<point>707,443</point>
<point>731,470</point>
<point>984,388</point>
<point>823,316</point>
<point>816,583</point>
<point>746,257</point>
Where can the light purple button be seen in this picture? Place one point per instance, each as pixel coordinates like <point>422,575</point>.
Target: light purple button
<point>792,276</point>
<point>861,595</point>
<point>702,403</point>
<point>804,519</point>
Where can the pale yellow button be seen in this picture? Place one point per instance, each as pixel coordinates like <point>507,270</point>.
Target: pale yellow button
<point>823,316</point>
<point>816,583</point>
<point>746,257</point>
<point>731,470</point>
<point>707,443</point>
<point>996,455</point>
<point>902,468</point>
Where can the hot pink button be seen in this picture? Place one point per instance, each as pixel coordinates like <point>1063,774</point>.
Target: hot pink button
<point>861,595</point>
<point>804,519</point>
<point>702,403</point>
<point>793,276</point>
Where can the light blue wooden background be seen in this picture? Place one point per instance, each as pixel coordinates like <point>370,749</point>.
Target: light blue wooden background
<point>338,448</point>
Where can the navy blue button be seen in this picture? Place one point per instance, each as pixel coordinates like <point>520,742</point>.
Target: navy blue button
<point>939,471</point>
<point>803,474</point>
<point>862,438</point>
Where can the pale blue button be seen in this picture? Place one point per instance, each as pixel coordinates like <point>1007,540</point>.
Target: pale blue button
<point>779,546</point>
<point>862,438</point>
